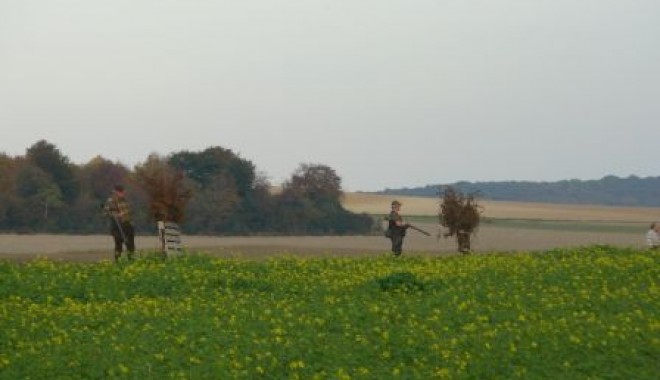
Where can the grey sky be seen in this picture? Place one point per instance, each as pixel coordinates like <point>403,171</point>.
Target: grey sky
<point>388,93</point>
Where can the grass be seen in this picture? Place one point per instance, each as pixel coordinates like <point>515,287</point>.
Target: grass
<point>565,313</point>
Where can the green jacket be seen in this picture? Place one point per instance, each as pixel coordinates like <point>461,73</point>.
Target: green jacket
<point>392,219</point>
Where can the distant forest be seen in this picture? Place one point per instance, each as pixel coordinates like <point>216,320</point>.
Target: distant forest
<point>609,190</point>
<point>43,191</point>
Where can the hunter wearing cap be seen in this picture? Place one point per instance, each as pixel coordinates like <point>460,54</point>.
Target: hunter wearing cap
<point>396,228</point>
<point>121,223</point>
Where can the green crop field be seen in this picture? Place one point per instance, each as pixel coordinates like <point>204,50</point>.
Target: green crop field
<point>587,313</point>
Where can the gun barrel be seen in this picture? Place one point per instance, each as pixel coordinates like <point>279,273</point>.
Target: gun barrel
<point>118,224</point>
<point>419,230</point>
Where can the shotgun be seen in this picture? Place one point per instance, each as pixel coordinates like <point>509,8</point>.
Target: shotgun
<point>419,230</point>
<point>115,219</point>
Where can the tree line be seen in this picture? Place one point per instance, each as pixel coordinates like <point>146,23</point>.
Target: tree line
<point>43,191</point>
<point>609,191</point>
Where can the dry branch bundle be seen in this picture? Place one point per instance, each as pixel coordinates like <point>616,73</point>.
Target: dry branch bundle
<point>460,215</point>
<point>166,188</point>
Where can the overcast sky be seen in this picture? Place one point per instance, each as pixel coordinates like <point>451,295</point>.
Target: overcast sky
<point>388,93</point>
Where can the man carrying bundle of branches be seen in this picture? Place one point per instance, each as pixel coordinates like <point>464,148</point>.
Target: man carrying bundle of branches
<point>168,196</point>
<point>460,214</point>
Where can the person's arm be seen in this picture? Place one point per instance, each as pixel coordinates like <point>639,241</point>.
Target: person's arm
<point>107,211</point>
<point>113,209</point>
<point>400,223</point>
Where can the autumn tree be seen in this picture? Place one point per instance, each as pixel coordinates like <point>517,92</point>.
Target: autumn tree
<point>8,169</point>
<point>8,172</point>
<point>460,215</point>
<point>215,189</point>
<point>99,176</point>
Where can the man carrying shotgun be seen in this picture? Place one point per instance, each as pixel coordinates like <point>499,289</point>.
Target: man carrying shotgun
<point>121,224</point>
<point>396,228</point>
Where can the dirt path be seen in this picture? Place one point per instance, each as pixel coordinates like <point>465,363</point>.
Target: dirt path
<point>93,248</point>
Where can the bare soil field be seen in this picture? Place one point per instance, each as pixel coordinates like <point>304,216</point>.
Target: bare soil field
<point>520,236</point>
<point>489,239</point>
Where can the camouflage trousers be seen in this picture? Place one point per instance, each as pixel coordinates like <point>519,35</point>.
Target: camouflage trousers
<point>397,244</point>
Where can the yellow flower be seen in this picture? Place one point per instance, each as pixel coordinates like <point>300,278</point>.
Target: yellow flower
<point>124,369</point>
<point>297,364</point>
<point>195,360</point>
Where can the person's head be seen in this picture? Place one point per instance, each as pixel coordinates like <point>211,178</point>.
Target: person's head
<point>119,190</point>
<point>396,205</point>
<point>655,226</point>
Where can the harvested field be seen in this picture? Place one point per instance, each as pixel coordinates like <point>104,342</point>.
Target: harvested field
<point>380,204</point>
<point>516,227</point>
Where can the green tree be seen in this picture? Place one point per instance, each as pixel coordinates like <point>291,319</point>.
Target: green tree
<point>228,194</point>
<point>310,202</point>
<point>315,182</point>
<point>47,157</point>
<point>39,194</point>
<point>214,205</point>
<point>256,212</point>
<point>203,166</point>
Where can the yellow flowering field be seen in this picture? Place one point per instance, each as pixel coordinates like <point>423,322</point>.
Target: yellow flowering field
<point>583,313</point>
